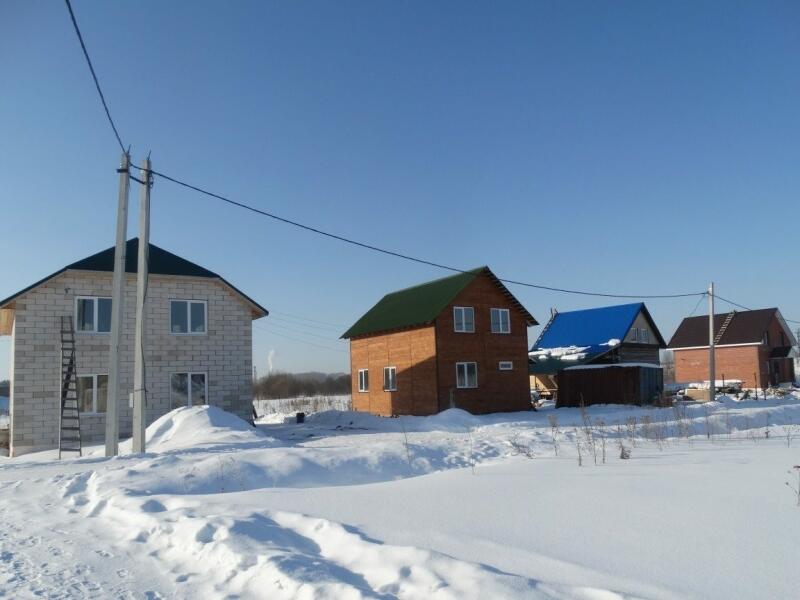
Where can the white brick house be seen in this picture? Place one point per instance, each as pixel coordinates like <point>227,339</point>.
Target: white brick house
<point>198,345</point>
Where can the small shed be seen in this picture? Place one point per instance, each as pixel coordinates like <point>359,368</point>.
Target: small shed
<point>621,383</point>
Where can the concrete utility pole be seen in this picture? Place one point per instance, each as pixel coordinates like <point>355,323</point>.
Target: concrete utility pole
<point>117,300</point>
<point>139,380</point>
<point>712,371</point>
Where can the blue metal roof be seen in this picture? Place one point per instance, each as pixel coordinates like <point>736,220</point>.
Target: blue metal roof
<point>592,327</point>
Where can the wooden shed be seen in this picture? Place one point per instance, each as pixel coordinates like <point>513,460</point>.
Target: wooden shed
<point>621,383</point>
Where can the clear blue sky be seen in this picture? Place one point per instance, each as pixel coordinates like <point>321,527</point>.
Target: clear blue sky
<point>620,146</point>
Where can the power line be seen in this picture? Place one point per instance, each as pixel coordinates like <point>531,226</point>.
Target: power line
<point>299,340</point>
<point>731,302</point>
<point>406,256</point>
<point>699,300</point>
<point>337,325</point>
<point>94,75</point>
<point>299,331</point>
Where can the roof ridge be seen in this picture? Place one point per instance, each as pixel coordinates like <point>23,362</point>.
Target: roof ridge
<point>476,271</point>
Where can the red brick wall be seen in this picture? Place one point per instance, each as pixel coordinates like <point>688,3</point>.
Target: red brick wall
<point>413,353</point>
<point>738,362</point>
<point>734,362</point>
<point>497,390</point>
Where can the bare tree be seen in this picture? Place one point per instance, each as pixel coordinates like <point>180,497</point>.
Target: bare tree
<point>795,488</point>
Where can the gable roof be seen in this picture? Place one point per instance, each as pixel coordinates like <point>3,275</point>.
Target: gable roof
<point>593,327</point>
<point>746,327</point>
<point>161,262</point>
<point>421,304</point>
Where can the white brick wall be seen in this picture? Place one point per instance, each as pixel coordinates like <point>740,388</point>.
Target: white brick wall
<point>224,353</point>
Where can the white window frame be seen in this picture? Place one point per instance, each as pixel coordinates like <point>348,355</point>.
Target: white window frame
<point>363,380</point>
<point>644,336</point>
<point>189,386</point>
<point>500,321</point>
<point>465,366</point>
<point>634,334</point>
<point>505,365</point>
<point>96,314</point>
<point>189,316</point>
<point>94,377</point>
<point>393,378</point>
<point>462,311</point>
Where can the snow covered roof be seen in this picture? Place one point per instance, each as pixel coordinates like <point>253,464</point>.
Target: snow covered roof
<point>593,327</point>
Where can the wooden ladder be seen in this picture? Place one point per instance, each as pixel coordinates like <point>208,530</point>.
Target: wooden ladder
<point>69,433</point>
<point>725,324</point>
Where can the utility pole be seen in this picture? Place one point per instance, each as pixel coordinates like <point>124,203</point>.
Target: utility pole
<point>118,295</point>
<point>712,376</point>
<point>139,379</point>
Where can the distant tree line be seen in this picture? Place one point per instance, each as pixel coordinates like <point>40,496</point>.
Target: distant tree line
<point>5,387</point>
<point>296,385</point>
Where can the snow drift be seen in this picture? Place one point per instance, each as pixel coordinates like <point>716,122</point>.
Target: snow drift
<point>194,427</point>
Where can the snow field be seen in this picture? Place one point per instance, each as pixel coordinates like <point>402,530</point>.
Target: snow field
<point>349,505</point>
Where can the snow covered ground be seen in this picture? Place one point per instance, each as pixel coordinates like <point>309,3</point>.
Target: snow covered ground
<point>349,505</point>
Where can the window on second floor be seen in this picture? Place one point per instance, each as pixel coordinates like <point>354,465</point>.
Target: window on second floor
<point>501,320</point>
<point>644,335</point>
<point>634,334</point>
<point>363,380</point>
<point>187,317</point>
<point>766,338</point>
<point>92,314</point>
<point>506,365</point>
<point>464,319</point>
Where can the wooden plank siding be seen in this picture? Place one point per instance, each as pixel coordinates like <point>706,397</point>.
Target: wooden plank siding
<point>610,385</point>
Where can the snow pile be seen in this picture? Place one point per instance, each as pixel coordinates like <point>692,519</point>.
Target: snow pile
<point>198,426</point>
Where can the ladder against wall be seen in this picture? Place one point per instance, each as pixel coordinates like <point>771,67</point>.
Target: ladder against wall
<point>69,433</point>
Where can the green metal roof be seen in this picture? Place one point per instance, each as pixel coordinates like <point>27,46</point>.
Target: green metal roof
<point>421,304</point>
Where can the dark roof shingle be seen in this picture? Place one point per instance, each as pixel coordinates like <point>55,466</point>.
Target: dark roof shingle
<point>160,262</point>
<point>746,327</point>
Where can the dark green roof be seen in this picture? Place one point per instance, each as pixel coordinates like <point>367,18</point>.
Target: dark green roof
<point>421,304</point>
<point>160,262</point>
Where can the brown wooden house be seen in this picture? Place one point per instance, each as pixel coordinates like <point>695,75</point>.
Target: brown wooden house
<point>460,341</point>
<point>753,346</point>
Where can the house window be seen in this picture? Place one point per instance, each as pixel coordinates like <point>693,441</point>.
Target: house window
<point>506,365</point>
<point>92,393</point>
<point>634,334</point>
<point>766,338</point>
<point>363,380</point>
<point>188,389</point>
<point>464,319</point>
<point>466,375</point>
<point>645,335</point>
<point>187,317</point>
<point>501,320</point>
<point>390,379</point>
<point>92,314</point>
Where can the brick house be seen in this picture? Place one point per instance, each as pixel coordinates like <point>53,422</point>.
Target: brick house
<point>754,346</point>
<point>624,334</point>
<point>460,341</point>
<point>198,340</point>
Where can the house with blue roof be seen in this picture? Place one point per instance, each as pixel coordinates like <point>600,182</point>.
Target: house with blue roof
<point>622,334</point>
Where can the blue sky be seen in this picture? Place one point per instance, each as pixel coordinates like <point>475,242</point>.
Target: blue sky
<point>623,147</point>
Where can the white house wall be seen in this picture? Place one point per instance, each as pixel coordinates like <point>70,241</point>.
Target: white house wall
<point>224,353</point>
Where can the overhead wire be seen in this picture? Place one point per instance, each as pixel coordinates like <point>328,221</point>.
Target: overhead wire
<point>94,75</point>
